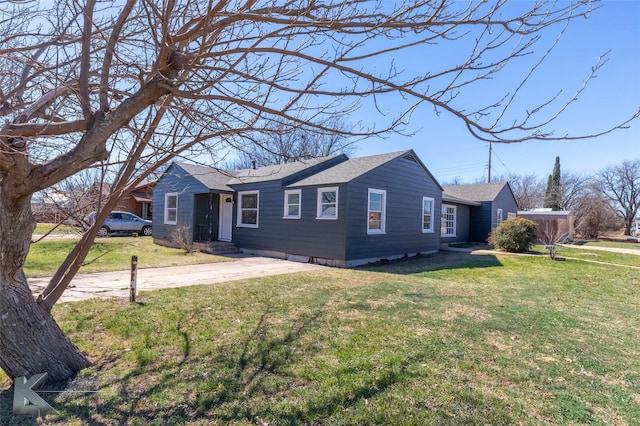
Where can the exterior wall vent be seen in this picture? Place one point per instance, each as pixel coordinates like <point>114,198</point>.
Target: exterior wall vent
<point>410,157</point>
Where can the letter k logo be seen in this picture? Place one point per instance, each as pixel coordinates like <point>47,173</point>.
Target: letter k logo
<point>25,400</point>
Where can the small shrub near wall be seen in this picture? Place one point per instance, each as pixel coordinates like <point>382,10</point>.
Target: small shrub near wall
<point>181,236</point>
<point>514,235</point>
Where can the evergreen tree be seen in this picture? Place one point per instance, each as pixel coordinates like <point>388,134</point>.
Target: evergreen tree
<point>547,193</point>
<point>553,194</point>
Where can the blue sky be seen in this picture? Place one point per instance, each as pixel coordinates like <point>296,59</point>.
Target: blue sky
<point>450,152</point>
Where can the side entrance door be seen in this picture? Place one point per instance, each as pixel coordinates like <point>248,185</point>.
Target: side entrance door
<point>226,217</point>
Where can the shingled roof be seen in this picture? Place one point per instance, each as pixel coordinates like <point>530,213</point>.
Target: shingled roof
<point>356,167</point>
<point>275,172</point>
<point>222,180</point>
<point>477,192</point>
<point>344,171</point>
<point>451,199</point>
<point>208,176</point>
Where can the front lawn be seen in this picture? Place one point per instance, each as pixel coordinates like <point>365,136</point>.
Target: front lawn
<point>446,339</point>
<point>110,254</point>
<point>587,254</point>
<point>616,244</point>
<point>56,229</point>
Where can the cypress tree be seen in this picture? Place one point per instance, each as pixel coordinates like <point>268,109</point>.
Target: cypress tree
<point>553,194</point>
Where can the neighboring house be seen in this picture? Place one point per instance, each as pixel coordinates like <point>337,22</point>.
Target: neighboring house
<point>331,210</point>
<point>139,201</point>
<point>477,209</point>
<point>52,206</point>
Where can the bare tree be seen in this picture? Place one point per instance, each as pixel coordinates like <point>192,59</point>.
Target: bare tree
<point>551,234</point>
<point>564,191</point>
<point>572,186</point>
<point>621,184</point>
<point>528,190</point>
<point>594,214</point>
<point>73,198</point>
<point>130,85</point>
<point>282,145</point>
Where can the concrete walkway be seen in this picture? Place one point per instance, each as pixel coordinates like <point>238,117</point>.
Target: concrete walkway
<point>116,284</point>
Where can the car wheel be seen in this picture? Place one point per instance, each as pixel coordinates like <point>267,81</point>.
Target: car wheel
<point>103,232</point>
<point>146,231</point>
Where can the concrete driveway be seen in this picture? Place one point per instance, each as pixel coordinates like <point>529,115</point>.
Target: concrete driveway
<point>116,284</point>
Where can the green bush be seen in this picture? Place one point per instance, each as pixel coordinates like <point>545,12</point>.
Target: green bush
<point>514,235</point>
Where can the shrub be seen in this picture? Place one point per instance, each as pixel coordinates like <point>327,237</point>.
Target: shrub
<point>181,237</point>
<point>514,235</point>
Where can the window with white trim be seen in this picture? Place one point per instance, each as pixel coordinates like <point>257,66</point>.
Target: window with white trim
<point>292,203</point>
<point>377,211</point>
<point>327,203</point>
<point>171,208</point>
<point>248,209</point>
<point>427,214</point>
<point>499,217</point>
<point>448,221</point>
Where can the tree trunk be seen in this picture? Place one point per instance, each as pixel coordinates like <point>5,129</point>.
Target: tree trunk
<point>30,340</point>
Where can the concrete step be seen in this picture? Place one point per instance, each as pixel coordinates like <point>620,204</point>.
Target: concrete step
<point>216,247</point>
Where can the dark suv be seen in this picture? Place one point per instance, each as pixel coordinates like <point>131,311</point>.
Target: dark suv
<point>121,223</point>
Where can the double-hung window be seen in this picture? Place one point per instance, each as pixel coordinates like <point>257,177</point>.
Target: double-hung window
<point>377,211</point>
<point>448,221</point>
<point>292,203</point>
<point>248,210</point>
<point>327,203</point>
<point>427,214</point>
<point>171,208</point>
<point>499,217</point>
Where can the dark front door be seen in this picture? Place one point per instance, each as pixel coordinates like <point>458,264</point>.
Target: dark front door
<point>205,218</point>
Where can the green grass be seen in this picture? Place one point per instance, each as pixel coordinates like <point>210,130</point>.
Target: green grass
<point>615,244</point>
<point>110,254</point>
<point>445,339</point>
<point>43,228</point>
<point>584,253</point>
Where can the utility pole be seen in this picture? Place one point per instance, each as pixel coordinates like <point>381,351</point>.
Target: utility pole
<point>489,173</point>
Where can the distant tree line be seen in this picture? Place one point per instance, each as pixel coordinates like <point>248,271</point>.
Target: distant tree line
<point>606,200</point>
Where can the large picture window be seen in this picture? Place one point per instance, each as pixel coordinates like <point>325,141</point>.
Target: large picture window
<point>292,204</point>
<point>248,210</point>
<point>171,208</point>
<point>327,203</point>
<point>427,214</point>
<point>377,211</point>
<point>448,221</point>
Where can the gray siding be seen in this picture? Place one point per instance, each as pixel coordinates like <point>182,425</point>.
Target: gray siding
<point>485,217</point>
<point>463,212</point>
<point>306,236</point>
<point>175,180</point>
<point>346,238</point>
<point>405,183</point>
<point>480,222</point>
<point>506,202</point>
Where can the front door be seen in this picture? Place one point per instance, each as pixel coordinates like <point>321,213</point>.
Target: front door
<point>226,217</point>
